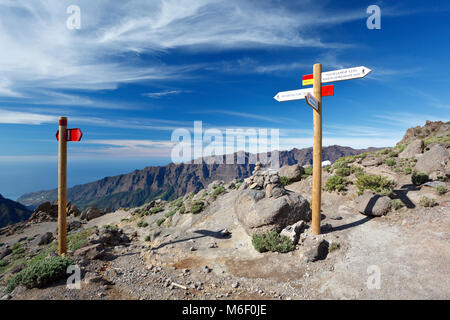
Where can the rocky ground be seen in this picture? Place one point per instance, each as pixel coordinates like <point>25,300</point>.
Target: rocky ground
<point>200,247</point>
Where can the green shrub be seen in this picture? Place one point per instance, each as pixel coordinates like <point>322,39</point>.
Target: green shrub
<point>444,179</point>
<point>343,172</point>
<point>419,178</point>
<point>390,162</point>
<point>147,238</point>
<point>177,203</point>
<point>272,241</point>
<point>396,204</point>
<point>401,148</point>
<point>357,171</point>
<point>160,221</point>
<point>171,213</point>
<point>76,240</point>
<point>142,224</point>
<point>427,202</point>
<point>441,189</point>
<point>4,263</point>
<point>333,246</point>
<point>309,171</point>
<point>157,209</point>
<point>336,183</point>
<point>393,154</point>
<point>182,209</point>
<point>238,185</point>
<point>285,180</point>
<point>110,227</point>
<point>40,273</point>
<point>197,206</point>
<point>408,170</point>
<point>376,183</point>
<point>218,191</point>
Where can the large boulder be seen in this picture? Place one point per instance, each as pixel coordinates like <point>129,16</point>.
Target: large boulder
<point>435,162</point>
<point>46,238</point>
<point>373,205</point>
<point>90,252</point>
<point>414,148</point>
<point>72,210</point>
<point>90,213</point>
<point>258,213</point>
<point>372,162</point>
<point>109,237</point>
<point>293,173</point>
<point>317,250</point>
<point>5,252</point>
<point>44,212</point>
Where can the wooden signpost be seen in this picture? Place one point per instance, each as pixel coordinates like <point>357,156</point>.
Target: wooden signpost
<point>313,98</point>
<point>70,135</point>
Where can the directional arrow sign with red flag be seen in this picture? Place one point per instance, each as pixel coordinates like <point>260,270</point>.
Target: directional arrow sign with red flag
<point>301,93</point>
<point>338,75</point>
<point>72,135</point>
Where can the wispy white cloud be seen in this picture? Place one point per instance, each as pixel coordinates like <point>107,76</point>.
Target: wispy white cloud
<point>14,117</point>
<point>157,95</point>
<point>43,54</point>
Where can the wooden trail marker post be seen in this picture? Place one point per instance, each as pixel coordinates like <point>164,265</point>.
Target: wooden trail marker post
<point>63,135</point>
<point>314,99</point>
<point>317,150</point>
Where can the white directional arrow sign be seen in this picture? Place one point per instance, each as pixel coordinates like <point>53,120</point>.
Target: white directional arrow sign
<point>345,74</point>
<point>293,94</point>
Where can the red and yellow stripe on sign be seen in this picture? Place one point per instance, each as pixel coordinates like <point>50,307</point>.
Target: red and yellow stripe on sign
<point>308,80</point>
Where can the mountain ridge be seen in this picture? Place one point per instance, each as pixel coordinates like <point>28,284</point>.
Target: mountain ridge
<point>12,212</point>
<point>170,181</point>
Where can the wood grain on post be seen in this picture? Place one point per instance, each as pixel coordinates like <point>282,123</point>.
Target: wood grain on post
<point>62,187</point>
<point>317,151</point>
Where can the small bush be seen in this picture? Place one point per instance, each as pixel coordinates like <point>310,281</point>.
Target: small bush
<point>285,180</point>
<point>238,185</point>
<point>393,154</point>
<point>343,172</point>
<point>4,263</point>
<point>408,170</point>
<point>197,206</point>
<point>218,191</point>
<point>401,148</point>
<point>160,221</point>
<point>177,203</point>
<point>390,162</point>
<point>333,246</point>
<point>441,190</point>
<point>308,171</point>
<point>376,183</point>
<point>427,202</point>
<point>272,241</point>
<point>335,183</point>
<point>142,224</point>
<point>147,238</point>
<point>357,171</point>
<point>419,178</point>
<point>171,213</point>
<point>182,209</point>
<point>40,273</point>
<point>157,209</point>
<point>396,204</point>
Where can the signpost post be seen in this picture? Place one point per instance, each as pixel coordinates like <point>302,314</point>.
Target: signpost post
<point>313,97</point>
<point>62,187</point>
<point>63,135</point>
<point>317,150</point>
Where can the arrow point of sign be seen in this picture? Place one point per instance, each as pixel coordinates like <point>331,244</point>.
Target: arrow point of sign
<point>276,98</point>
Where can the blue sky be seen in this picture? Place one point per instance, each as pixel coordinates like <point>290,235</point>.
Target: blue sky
<point>138,70</point>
